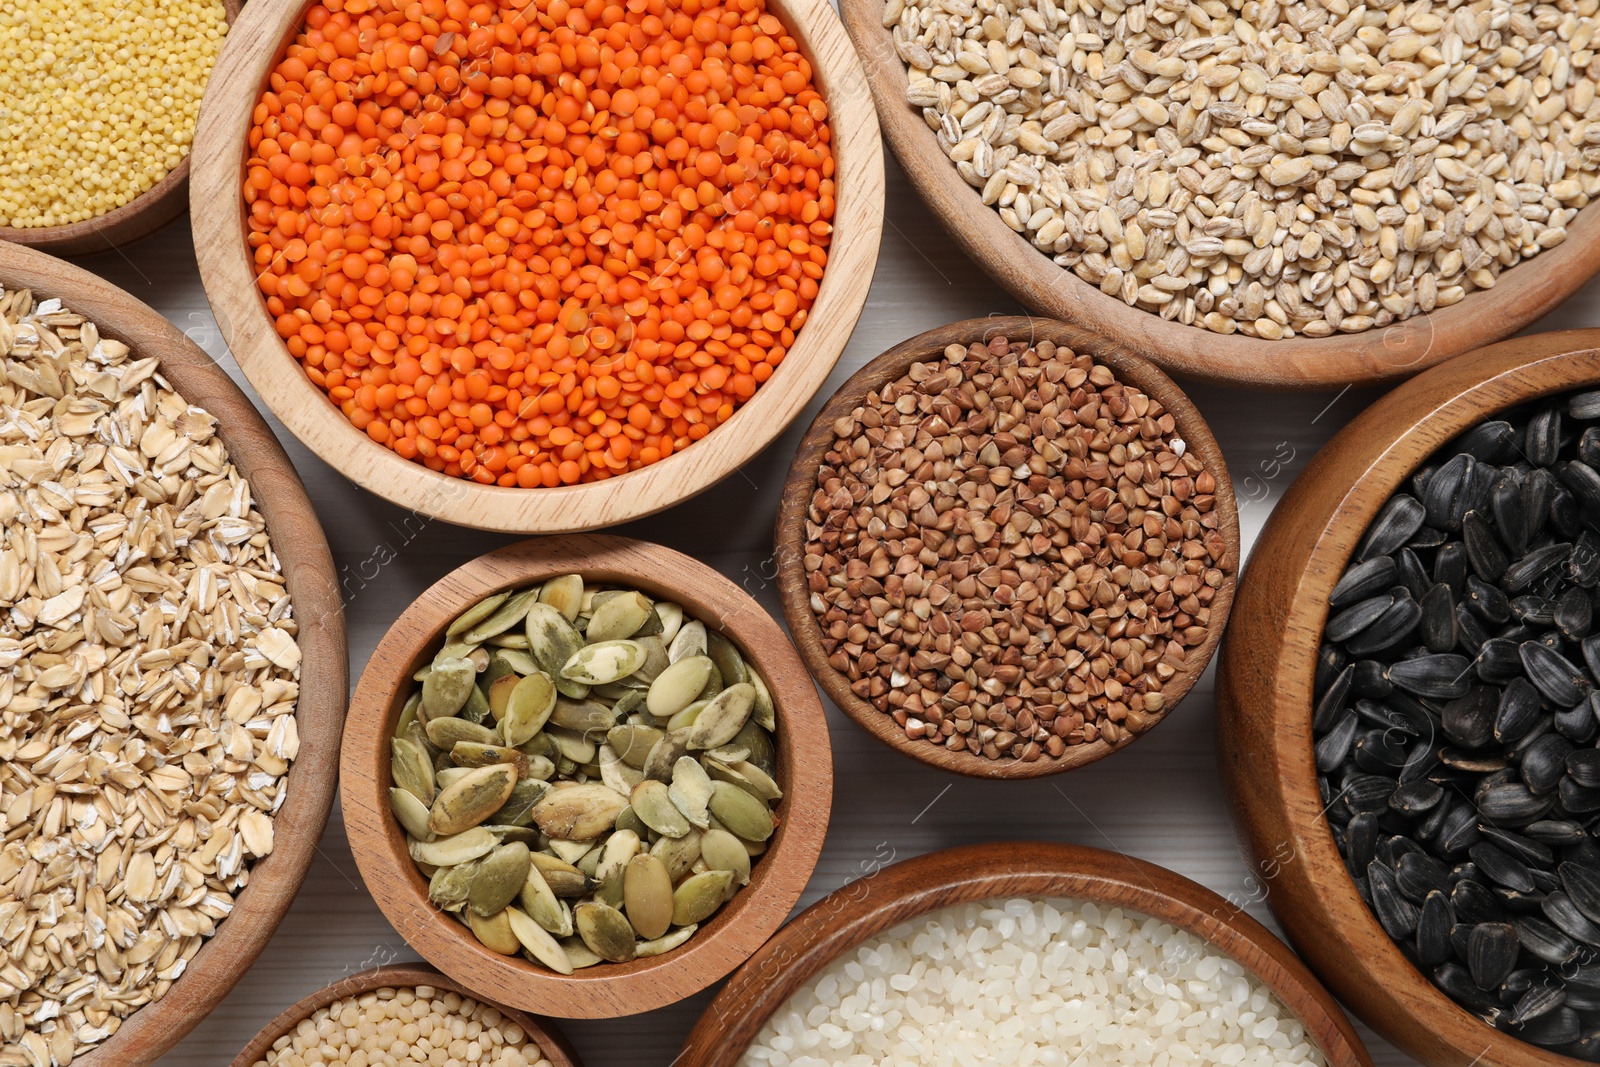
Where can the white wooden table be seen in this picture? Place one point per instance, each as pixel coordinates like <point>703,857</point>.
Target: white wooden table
<point>1160,800</point>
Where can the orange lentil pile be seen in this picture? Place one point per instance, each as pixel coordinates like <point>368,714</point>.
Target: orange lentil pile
<point>537,242</point>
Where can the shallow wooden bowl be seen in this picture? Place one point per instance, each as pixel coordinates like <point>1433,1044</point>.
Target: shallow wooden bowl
<point>795,595</point>
<point>1264,691</point>
<point>893,895</point>
<point>551,1041</point>
<point>226,267</point>
<point>1521,295</point>
<point>805,773</point>
<point>313,584</point>
<point>133,221</point>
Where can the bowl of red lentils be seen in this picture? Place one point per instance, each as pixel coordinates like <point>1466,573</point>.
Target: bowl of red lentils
<point>537,266</point>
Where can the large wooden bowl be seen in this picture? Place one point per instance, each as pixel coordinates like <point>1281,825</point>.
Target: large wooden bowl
<point>795,595</point>
<point>551,1041</point>
<point>1265,682</point>
<point>1520,296</point>
<point>133,221</point>
<point>885,898</point>
<point>227,269</point>
<point>805,773</point>
<point>324,682</point>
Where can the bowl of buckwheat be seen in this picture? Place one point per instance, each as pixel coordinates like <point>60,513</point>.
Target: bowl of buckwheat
<point>1006,548</point>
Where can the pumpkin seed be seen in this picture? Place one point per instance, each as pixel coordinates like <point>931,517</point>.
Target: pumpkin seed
<point>494,932</point>
<point>583,715</point>
<point>541,903</point>
<point>722,719</point>
<point>664,755</point>
<point>757,743</point>
<point>616,774</point>
<point>553,640</point>
<point>743,815</point>
<point>647,896</point>
<point>633,743</point>
<point>472,754</point>
<point>457,848</point>
<point>691,791</point>
<point>655,658</point>
<point>573,746</point>
<point>445,731</point>
<point>536,941</point>
<point>499,693</point>
<point>765,713</point>
<point>412,813</point>
<point>509,614</point>
<point>476,614</point>
<point>676,687</point>
<point>678,855</point>
<point>449,683</point>
<point>671,616</point>
<point>726,656</point>
<point>578,812</point>
<point>605,930</point>
<point>721,851</point>
<point>681,722</point>
<point>448,886</point>
<point>500,876</point>
<point>563,878</point>
<point>411,769</point>
<point>471,800</point>
<point>690,640</point>
<point>579,954</point>
<point>529,705</point>
<point>565,594</point>
<point>604,662</point>
<point>662,945</point>
<point>652,802</point>
<point>618,617</point>
<point>629,820</point>
<point>699,896</point>
<point>756,781</point>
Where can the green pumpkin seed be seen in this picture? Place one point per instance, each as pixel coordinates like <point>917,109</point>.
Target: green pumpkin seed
<point>499,878</point>
<point>699,896</point>
<point>411,812</point>
<point>500,693</point>
<point>447,731</point>
<point>541,904</point>
<point>537,942</point>
<point>652,801</point>
<point>633,743</point>
<point>757,743</point>
<point>671,616</point>
<point>511,639</point>
<point>589,862</point>
<point>618,617</point>
<point>408,714</point>
<point>447,686</point>
<point>528,707</point>
<point>605,930</point>
<point>714,685</point>
<point>721,851</point>
<point>454,650</point>
<point>472,754</point>
<point>652,627</point>
<point>573,746</point>
<point>540,744</point>
<point>760,783</point>
<point>721,720</point>
<point>565,594</point>
<point>664,754</point>
<point>690,640</point>
<point>509,614</point>
<point>457,848</point>
<point>495,932</point>
<point>476,614</point>
<point>615,773</point>
<point>553,640</point>
<point>765,712</point>
<point>678,686</point>
<point>619,848</point>
<point>647,896</point>
<point>730,664</point>
<point>583,715</point>
<point>448,887</point>
<point>743,815</point>
<point>655,660</point>
<point>691,791</point>
<point>629,705</point>
<point>476,709</point>
<point>471,800</point>
<point>528,835</point>
<point>629,820</point>
<point>662,945</point>
<point>564,879</point>
<point>681,722</point>
<point>579,812</point>
<point>579,953</point>
<point>679,856</point>
<point>604,662</point>
<point>411,769</point>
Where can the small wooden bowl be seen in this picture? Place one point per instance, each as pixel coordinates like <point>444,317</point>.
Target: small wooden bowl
<point>1520,296</point>
<point>551,1041</point>
<point>805,773</point>
<point>324,682</point>
<point>885,898</point>
<point>133,221</point>
<point>795,595</point>
<point>226,267</point>
<point>1264,690</point>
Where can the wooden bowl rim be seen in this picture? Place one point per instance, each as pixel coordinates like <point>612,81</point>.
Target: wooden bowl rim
<point>1520,295</point>
<point>1331,512</point>
<point>795,596</point>
<point>313,586</point>
<point>551,1041</point>
<point>889,896</point>
<point>738,929</point>
<point>230,283</point>
<point>150,211</point>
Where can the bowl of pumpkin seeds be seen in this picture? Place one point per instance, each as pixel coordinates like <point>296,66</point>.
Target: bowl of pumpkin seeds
<point>586,776</point>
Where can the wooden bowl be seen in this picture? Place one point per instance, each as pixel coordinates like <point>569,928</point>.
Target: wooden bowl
<point>1264,691</point>
<point>1520,296</point>
<point>133,221</point>
<point>227,269</point>
<point>805,773</point>
<point>795,596</point>
<point>885,898</point>
<point>551,1041</point>
<point>324,682</point>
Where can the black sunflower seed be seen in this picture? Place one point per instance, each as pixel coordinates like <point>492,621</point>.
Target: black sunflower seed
<point>1380,752</point>
<point>1445,498</point>
<point>1543,940</point>
<point>1438,626</point>
<point>1534,565</point>
<point>1542,441</point>
<point>1473,903</point>
<point>1357,617</point>
<point>1584,483</point>
<point>1582,884</point>
<point>1559,1027</point>
<point>1584,406</point>
<point>1472,633</point>
<point>1589,446</point>
<point>1576,799</point>
<point>1401,517</point>
<point>1523,848</point>
<point>1538,487</point>
<point>1433,929</point>
<point>1585,854</point>
<point>1458,983</point>
<point>1533,611</point>
<point>1388,630</point>
<point>1395,714</point>
<point>1460,830</point>
<point>1422,762</point>
<point>1557,833</point>
<point>1537,1001</point>
<point>1574,613</point>
<point>1556,677</point>
<point>1511,803</point>
<point>1567,512</point>
<point>1435,677</point>
<point>1584,766</point>
<point>1427,537</point>
<point>1578,723</point>
<point>1510,513</point>
<point>1410,573</point>
<point>1397,915</point>
<point>1586,1047</point>
<point>1487,555</point>
<point>1469,720</point>
<point>1491,953</point>
<point>1591,654</point>
<point>1518,710</point>
<point>1565,916</point>
<point>1544,762</point>
<point>1332,747</point>
<point>1474,762</point>
<point>1583,564</point>
<point>1500,867</point>
<point>1416,874</point>
<point>1368,679</point>
<point>1332,701</point>
<point>1414,798</point>
<point>1450,566</point>
<point>1495,441</point>
<point>1363,580</point>
<point>1498,661</point>
<point>1368,793</point>
<point>1487,601</point>
<point>1361,840</point>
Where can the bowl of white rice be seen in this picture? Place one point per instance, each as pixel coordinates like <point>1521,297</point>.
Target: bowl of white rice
<point>1026,954</point>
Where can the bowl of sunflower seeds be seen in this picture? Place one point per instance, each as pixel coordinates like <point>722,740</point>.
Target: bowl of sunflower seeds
<point>586,775</point>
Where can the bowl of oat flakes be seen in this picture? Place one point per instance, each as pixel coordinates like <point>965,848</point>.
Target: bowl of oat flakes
<point>174,675</point>
<point>1258,194</point>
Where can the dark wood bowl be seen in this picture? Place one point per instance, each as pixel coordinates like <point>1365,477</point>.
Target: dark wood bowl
<point>137,219</point>
<point>551,1041</point>
<point>795,596</point>
<point>1264,690</point>
<point>1520,295</point>
<point>885,898</point>
<point>607,990</point>
<point>324,680</point>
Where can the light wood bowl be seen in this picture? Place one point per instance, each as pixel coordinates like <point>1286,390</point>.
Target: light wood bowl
<point>551,1041</point>
<point>1264,691</point>
<point>227,270</point>
<point>133,221</point>
<point>795,596</point>
<point>805,773</point>
<point>324,682</point>
<point>1521,295</point>
<point>885,898</point>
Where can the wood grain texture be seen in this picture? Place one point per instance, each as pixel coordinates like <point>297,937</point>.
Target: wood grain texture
<point>551,1041</point>
<point>1265,687</point>
<point>896,894</point>
<point>805,773</point>
<point>324,672</point>
<point>138,218</point>
<point>790,534</point>
<point>225,264</point>
<point>1519,297</point>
